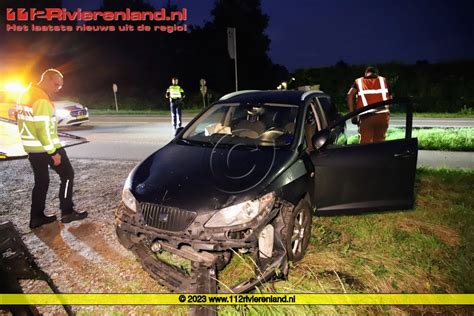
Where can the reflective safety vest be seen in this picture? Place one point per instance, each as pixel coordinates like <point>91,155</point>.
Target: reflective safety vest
<point>36,122</point>
<point>175,92</point>
<point>372,90</point>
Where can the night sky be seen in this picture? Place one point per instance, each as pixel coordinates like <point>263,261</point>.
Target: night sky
<point>306,33</point>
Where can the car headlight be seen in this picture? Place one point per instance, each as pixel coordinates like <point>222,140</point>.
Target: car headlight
<point>242,213</point>
<point>129,200</point>
<point>127,197</point>
<point>62,112</point>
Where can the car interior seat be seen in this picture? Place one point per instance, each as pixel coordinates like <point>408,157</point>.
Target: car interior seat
<point>251,129</point>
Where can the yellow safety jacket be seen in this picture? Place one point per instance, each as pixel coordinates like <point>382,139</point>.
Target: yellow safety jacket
<point>36,122</point>
<point>175,92</point>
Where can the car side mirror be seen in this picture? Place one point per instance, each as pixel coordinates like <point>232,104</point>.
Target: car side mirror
<point>178,130</point>
<point>320,139</point>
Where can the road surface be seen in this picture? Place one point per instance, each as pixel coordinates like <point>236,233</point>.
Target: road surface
<point>136,137</point>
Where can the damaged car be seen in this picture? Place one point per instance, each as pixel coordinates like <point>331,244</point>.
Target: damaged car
<point>246,176</point>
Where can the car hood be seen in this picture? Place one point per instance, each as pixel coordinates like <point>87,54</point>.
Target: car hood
<point>67,104</point>
<point>204,178</point>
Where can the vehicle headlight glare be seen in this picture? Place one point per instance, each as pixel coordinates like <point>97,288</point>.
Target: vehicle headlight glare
<point>62,113</point>
<point>242,213</point>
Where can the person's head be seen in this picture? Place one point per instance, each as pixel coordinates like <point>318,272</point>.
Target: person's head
<point>174,80</point>
<point>371,71</point>
<point>51,81</point>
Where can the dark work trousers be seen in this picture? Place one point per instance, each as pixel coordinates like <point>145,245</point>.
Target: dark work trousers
<point>39,163</point>
<point>175,108</point>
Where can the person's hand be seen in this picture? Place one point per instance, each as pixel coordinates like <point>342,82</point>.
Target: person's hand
<point>56,159</point>
<point>355,120</point>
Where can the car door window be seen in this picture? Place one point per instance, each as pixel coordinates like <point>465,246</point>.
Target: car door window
<point>318,109</point>
<point>310,127</point>
<point>329,110</point>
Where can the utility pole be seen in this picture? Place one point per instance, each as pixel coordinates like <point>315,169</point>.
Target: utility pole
<point>232,48</point>
<point>203,90</point>
<point>115,89</point>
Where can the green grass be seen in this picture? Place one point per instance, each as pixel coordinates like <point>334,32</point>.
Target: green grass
<point>468,113</point>
<point>426,250</point>
<point>141,112</point>
<point>454,139</point>
<point>196,109</point>
<point>449,139</point>
<point>179,262</point>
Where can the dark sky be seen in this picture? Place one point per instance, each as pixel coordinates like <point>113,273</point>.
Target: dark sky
<point>307,33</point>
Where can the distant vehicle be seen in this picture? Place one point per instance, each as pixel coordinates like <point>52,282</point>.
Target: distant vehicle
<point>246,176</point>
<point>70,113</point>
<point>67,112</point>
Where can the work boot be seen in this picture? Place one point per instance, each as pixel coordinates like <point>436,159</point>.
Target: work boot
<point>40,221</point>
<point>73,216</point>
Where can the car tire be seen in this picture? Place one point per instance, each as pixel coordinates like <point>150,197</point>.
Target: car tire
<point>297,230</point>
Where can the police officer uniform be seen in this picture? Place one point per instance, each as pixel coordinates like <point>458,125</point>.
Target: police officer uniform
<point>175,94</point>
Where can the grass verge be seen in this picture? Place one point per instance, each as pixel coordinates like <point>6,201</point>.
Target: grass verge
<point>469,113</point>
<point>141,112</point>
<point>427,250</point>
<point>464,114</point>
<point>448,139</point>
<point>452,139</point>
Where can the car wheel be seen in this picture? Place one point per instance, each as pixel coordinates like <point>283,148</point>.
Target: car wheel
<point>297,230</point>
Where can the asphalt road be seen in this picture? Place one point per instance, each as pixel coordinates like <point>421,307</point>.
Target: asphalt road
<point>136,137</point>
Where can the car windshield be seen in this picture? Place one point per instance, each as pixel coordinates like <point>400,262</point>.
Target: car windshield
<point>245,124</point>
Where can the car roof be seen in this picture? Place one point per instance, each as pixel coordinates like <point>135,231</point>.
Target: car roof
<point>271,96</point>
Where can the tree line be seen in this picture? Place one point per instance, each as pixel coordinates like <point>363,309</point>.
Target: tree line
<point>440,87</point>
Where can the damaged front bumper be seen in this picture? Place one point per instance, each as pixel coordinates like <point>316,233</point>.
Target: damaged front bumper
<point>208,250</point>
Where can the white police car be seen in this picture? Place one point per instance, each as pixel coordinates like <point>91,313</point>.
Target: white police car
<point>71,113</point>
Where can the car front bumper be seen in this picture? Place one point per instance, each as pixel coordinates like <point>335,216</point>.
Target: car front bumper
<point>209,251</point>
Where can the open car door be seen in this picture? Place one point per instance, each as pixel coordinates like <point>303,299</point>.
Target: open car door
<point>351,177</point>
<point>10,141</point>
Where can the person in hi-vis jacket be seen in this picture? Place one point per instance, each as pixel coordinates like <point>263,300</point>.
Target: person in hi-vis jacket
<point>370,89</point>
<point>175,94</point>
<point>39,135</point>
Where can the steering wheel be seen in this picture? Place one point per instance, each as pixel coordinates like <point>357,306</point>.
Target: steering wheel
<point>275,129</point>
<point>272,133</point>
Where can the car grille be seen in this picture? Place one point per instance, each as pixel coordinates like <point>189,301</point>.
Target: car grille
<point>166,218</point>
<point>78,113</point>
